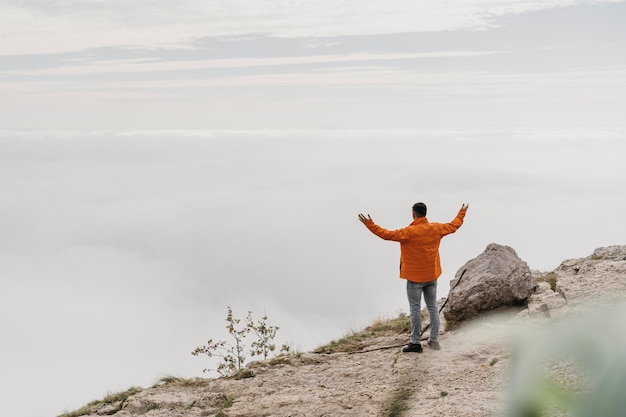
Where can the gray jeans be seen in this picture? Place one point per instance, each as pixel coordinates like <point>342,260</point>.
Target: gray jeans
<point>414,292</point>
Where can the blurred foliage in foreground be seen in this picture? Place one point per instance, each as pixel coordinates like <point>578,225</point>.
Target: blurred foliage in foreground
<point>575,367</point>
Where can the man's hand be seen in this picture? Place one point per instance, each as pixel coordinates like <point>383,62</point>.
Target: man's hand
<point>465,207</point>
<point>364,219</point>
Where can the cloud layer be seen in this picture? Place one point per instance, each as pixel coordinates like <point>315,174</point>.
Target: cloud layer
<point>52,26</point>
<point>120,251</point>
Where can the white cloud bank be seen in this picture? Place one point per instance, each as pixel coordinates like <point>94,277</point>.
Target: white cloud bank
<point>119,252</point>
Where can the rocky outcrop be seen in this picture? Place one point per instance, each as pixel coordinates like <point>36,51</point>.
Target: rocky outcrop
<point>599,275</point>
<point>495,278</point>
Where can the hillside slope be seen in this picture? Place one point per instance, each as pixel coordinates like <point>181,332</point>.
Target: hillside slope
<point>468,377</point>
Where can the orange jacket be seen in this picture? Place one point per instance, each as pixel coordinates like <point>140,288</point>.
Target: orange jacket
<point>419,246</point>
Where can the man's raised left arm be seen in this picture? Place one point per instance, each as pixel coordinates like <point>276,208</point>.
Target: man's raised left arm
<point>457,222</point>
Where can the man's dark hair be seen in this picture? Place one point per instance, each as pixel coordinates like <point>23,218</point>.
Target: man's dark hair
<point>419,209</point>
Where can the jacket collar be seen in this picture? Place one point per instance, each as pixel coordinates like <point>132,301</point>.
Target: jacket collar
<point>419,220</point>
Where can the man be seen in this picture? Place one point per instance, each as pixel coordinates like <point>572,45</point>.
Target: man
<point>420,266</point>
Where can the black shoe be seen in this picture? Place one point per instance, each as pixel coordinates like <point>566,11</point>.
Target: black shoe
<point>413,347</point>
<point>434,345</point>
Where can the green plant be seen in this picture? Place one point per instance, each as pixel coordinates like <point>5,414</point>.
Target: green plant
<point>232,355</point>
<point>576,367</point>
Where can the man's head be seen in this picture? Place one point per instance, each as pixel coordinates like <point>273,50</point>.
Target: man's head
<point>419,210</point>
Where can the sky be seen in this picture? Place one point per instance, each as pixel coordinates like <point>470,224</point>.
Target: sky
<point>160,161</point>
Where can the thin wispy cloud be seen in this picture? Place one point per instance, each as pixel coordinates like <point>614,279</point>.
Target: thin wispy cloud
<point>244,64</point>
<point>52,26</point>
<point>608,83</point>
<point>149,65</point>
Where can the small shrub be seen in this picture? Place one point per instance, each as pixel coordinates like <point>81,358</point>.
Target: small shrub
<point>232,355</point>
<point>265,333</point>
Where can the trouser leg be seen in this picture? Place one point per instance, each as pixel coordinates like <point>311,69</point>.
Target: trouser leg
<point>414,294</point>
<point>430,298</point>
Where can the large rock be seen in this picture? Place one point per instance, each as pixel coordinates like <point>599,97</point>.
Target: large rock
<point>495,278</point>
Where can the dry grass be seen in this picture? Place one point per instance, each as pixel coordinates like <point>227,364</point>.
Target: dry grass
<point>399,325</point>
<point>228,402</point>
<point>550,278</point>
<point>356,341</point>
<point>112,398</point>
<point>396,404</point>
<point>176,380</point>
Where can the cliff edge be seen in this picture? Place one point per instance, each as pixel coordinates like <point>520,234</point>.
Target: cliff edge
<point>470,376</point>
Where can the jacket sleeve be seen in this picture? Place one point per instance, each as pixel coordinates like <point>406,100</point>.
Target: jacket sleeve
<point>452,227</point>
<point>398,235</point>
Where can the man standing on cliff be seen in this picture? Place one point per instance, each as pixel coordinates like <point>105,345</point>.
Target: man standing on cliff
<point>420,266</point>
